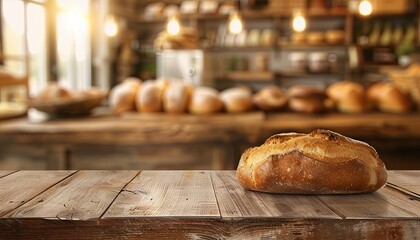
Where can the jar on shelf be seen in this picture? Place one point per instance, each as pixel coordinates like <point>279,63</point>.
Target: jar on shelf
<point>297,61</point>
<point>318,62</point>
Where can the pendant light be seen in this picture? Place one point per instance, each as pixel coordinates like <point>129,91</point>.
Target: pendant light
<point>298,21</point>
<point>365,8</point>
<point>111,26</point>
<point>235,23</point>
<point>173,26</point>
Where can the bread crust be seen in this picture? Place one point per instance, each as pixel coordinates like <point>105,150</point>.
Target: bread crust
<point>322,162</point>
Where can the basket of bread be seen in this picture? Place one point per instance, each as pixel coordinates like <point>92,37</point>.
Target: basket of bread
<point>59,101</point>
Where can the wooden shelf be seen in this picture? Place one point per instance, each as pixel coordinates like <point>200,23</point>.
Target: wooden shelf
<point>310,46</point>
<point>306,74</point>
<point>248,76</point>
<point>246,49</point>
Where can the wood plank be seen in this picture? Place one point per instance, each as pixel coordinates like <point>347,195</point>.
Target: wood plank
<point>20,187</point>
<point>384,203</point>
<point>4,173</point>
<point>199,228</point>
<point>166,194</point>
<point>409,180</point>
<point>236,202</point>
<point>85,195</point>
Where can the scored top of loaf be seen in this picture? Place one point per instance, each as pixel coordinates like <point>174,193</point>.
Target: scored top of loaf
<point>322,145</point>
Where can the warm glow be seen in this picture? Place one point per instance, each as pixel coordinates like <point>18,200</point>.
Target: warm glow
<point>111,28</point>
<point>173,26</point>
<point>299,23</point>
<point>13,20</point>
<point>365,8</point>
<point>235,24</point>
<point>36,25</point>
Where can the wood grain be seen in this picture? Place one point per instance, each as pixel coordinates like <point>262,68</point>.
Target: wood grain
<point>18,188</point>
<point>383,203</point>
<point>85,195</point>
<point>408,180</point>
<point>4,173</point>
<point>166,194</point>
<point>199,228</point>
<point>236,202</point>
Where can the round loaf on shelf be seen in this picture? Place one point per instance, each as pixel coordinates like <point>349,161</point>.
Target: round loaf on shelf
<point>122,96</point>
<point>205,100</point>
<point>387,97</point>
<point>305,91</point>
<point>307,105</point>
<point>270,98</point>
<point>149,97</point>
<point>237,100</point>
<point>306,99</point>
<point>176,97</point>
<point>321,162</point>
<point>348,97</point>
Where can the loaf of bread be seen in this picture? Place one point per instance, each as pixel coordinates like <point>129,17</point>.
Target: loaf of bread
<point>205,100</point>
<point>321,162</point>
<point>237,99</point>
<point>270,98</point>
<point>306,99</point>
<point>348,97</point>
<point>387,97</point>
<point>176,97</point>
<point>149,97</point>
<point>122,96</point>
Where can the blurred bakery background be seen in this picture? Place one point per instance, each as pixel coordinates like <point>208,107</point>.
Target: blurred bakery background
<point>143,84</point>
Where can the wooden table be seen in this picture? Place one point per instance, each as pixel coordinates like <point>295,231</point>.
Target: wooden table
<point>195,204</point>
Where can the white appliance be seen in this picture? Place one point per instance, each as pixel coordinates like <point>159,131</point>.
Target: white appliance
<point>193,66</point>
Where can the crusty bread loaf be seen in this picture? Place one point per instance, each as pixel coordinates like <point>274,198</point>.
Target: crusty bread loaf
<point>349,97</point>
<point>122,96</point>
<point>205,100</point>
<point>387,97</point>
<point>236,100</point>
<point>321,162</point>
<point>176,97</point>
<point>149,97</point>
<point>270,98</point>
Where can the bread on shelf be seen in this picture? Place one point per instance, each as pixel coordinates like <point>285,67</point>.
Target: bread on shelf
<point>122,96</point>
<point>236,100</point>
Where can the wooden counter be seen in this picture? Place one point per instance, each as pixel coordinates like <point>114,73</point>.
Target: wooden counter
<point>164,141</point>
<point>196,205</point>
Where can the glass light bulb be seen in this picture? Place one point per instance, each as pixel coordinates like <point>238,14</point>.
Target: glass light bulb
<point>235,25</point>
<point>299,23</point>
<point>173,26</point>
<point>111,28</point>
<point>365,8</point>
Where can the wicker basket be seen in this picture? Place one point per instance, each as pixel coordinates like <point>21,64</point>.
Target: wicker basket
<point>69,107</point>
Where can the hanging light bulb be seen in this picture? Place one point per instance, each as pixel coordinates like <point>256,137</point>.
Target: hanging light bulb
<point>365,8</point>
<point>173,26</point>
<point>235,23</point>
<point>298,22</point>
<point>111,27</point>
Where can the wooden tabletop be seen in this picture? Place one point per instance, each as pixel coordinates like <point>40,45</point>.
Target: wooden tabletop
<point>196,204</point>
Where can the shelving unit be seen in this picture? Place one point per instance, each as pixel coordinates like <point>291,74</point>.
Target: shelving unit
<point>278,21</point>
